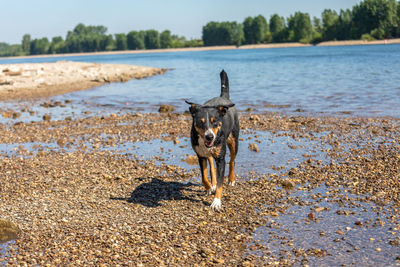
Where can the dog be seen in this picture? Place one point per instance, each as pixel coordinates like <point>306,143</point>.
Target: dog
<point>215,126</point>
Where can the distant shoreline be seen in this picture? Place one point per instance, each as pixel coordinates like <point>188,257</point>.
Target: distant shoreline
<point>213,48</point>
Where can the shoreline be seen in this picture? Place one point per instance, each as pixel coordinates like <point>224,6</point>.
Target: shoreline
<point>215,48</point>
<point>33,80</point>
<point>79,194</point>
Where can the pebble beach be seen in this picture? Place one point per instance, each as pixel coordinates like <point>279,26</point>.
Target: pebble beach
<point>73,193</point>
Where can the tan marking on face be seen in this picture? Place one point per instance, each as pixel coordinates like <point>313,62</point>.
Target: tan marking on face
<point>212,119</point>
<point>203,120</point>
<point>200,131</point>
<point>216,130</point>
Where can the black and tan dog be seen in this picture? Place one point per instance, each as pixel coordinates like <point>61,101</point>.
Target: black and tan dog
<point>215,126</point>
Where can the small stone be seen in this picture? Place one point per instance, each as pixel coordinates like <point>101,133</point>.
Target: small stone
<point>319,209</point>
<point>46,117</point>
<point>166,108</point>
<point>288,184</point>
<point>311,216</point>
<point>16,115</point>
<point>219,261</point>
<point>254,147</point>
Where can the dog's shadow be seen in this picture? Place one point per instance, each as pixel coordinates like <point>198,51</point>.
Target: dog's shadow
<point>150,194</point>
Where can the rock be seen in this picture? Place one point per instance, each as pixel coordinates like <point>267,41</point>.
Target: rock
<point>6,82</point>
<point>61,142</point>
<point>46,117</point>
<point>358,223</point>
<point>191,160</point>
<point>288,184</point>
<point>166,108</point>
<point>254,147</point>
<point>8,231</point>
<point>16,115</point>
<point>319,209</point>
<point>219,261</point>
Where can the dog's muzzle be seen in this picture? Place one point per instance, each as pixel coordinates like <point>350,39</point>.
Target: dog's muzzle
<point>209,138</point>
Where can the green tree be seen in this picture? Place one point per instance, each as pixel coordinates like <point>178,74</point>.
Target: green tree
<point>152,39</point>
<point>11,50</point>
<point>56,45</point>
<point>379,16</point>
<point>26,43</point>
<point>398,20</point>
<point>249,35</point>
<point>165,39</point>
<point>135,40</point>
<point>344,25</point>
<point>300,28</point>
<point>277,28</point>
<point>178,41</point>
<point>39,46</point>
<point>120,41</point>
<point>330,20</point>
<point>255,29</point>
<point>222,33</point>
<point>107,43</point>
<point>87,39</point>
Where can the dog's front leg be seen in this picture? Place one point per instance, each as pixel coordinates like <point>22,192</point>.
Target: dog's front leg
<point>216,204</point>
<point>203,169</point>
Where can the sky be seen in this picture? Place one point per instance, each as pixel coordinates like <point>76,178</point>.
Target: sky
<point>50,18</point>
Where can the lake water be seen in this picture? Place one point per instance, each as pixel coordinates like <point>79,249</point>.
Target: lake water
<point>355,80</point>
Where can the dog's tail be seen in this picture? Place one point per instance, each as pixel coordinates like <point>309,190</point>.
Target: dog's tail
<point>224,84</point>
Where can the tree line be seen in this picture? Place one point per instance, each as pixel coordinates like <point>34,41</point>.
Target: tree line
<point>94,39</point>
<point>368,20</point>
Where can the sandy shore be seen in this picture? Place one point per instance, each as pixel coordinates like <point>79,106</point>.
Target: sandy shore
<point>48,79</point>
<point>227,47</point>
<point>82,203</point>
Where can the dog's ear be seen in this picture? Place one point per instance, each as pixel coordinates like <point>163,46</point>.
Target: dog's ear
<point>224,108</point>
<point>193,107</point>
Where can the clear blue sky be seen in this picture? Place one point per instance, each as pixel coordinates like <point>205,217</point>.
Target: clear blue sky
<point>49,18</point>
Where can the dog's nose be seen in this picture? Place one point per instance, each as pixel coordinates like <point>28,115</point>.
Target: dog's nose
<point>209,137</point>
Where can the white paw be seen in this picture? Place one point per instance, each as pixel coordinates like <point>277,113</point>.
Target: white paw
<point>216,204</point>
<point>232,183</point>
<point>212,189</point>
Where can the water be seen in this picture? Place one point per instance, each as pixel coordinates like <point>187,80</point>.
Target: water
<point>356,80</point>
<point>277,152</point>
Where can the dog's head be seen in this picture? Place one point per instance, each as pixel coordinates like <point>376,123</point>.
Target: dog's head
<point>207,120</point>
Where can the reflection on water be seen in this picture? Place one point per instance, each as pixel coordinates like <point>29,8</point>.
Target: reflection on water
<point>277,152</point>
<point>355,80</point>
<point>331,227</point>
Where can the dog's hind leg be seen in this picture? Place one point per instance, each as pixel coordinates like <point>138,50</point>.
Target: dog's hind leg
<point>204,169</point>
<point>233,146</point>
<point>213,174</point>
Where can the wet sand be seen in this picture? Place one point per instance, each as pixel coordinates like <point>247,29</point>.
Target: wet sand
<point>82,203</point>
<point>47,79</point>
<point>80,194</point>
